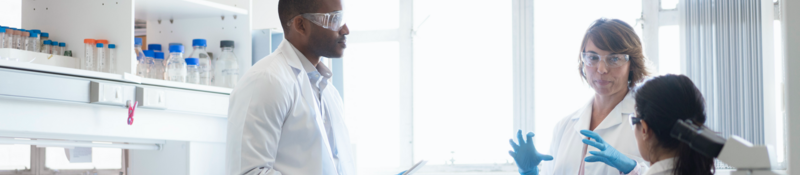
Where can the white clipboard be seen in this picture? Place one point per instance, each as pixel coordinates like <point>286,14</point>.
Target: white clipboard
<point>416,167</point>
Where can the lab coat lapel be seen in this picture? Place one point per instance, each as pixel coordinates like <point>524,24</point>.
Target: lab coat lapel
<point>307,92</point>
<point>620,111</point>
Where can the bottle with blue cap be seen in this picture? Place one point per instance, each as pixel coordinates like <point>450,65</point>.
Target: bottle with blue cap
<point>112,58</point>
<point>62,48</point>
<point>43,36</point>
<point>204,61</point>
<point>158,70</point>
<point>176,65</point>
<point>32,43</point>
<point>101,58</point>
<point>2,37</point>
<point>141,65</point>
<point>192,71</point>
<point>147,63</point>
<point>154,47</point>
<point>54,49</point>
<point>46,46</point>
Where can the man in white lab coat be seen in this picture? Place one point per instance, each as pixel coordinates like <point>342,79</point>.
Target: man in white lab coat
<point>284,116</point>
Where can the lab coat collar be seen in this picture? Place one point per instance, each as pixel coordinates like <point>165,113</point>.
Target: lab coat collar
<point>665,166</point>
<point>320,69</point>
<point>292,57</point>
<point>615,117</point>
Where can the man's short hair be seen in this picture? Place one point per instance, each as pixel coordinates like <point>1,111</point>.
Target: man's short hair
<point>287,9</point>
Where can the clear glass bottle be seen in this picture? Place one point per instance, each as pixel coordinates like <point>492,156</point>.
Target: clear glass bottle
<point>158,66</point>
<point>227,66</point>
<point>141,67</point>
<point>62,47</point>
<point>87,63</point>
<point>101,58</point>
<point>46,46</point>
<point>176,65</point>
<point>192,71</point>
<point>147,63</point>
<point>204,61</point>
<point>112,59</point>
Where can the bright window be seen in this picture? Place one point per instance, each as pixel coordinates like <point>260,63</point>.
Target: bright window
<point>364,15</point>
<point>669,53</point>
<point>15,157</point>
<point>462,82</point>
<point>102,158</point>
<point>779,88</point>
<point>559,88</point>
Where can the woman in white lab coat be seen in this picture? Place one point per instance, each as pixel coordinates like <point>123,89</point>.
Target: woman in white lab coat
<point>660,103</point>
<point>611,62</point>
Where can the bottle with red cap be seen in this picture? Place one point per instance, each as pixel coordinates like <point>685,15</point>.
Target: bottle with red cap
<point>87,63</point>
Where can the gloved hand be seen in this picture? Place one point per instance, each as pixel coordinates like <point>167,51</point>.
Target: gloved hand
<point>607,154</point>
<point>401,173</point>
<point>526,156</point>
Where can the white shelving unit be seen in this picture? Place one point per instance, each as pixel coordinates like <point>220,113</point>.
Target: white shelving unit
<point>45,96</point>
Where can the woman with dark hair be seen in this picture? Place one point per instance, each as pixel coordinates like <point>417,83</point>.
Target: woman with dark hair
<point>611,62</point>
<point>661,102</point>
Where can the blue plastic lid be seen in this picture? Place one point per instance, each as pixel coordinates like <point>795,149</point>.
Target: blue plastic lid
<point>62,44</point>
<point>3,30</point>
<point>148,53</point>
<point>199,42</point>
<point>112,46</point>
<point>191,61</point>
<point>137,41</point>
<point>34,34</point>
<point>159,55</point>
<point>54,43</point>
<point>99,44</point>
<point>156,47</point>
<point>176,48</point>
<point>170,44</point>
<point>45,34</point>
<point>35,31</point>
<point>47,42</point>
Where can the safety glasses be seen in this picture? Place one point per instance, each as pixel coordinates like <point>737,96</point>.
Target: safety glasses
<point>331,21</point>
<point>634,120</point>
<point>611,60</point>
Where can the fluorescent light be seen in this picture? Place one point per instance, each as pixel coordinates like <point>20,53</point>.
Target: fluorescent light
<point>219,6</point>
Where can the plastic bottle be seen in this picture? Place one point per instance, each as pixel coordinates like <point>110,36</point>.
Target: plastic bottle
<point>87,63</point>
<point>227,66</point>
<point>112,59</point>
<point>158,66</point>
<point>199,52</point>
<point>101,58</point>
<point>22,40</point>
<point>62,47</point>
<point>154,47</point>
<point>44,36</point>
<point>141,68</point>
<point>147,63</point>
<point>2,37</point>
<point>33,42</point>
<point>192,71</point>
<point>46,46</point>
<point>9,38</point>
<point>176,65</point>
<point>53,47</point>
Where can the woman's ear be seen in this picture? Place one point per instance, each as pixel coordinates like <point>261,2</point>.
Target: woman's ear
<point>645,130</point>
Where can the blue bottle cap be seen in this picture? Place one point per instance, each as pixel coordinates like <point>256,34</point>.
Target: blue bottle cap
<point>199,42</point>
<point>148,53</point>
<point>112,46</point>
<point>45,34</point>
<point>3,30</point>
<point>62,44</point>
<point>47,42</point>
<point>35,31</point>
<point>54,43</point>
<point>171,44</point>
<point>155,47</point>
<point>99,44</point>
<point>34,34</point>
<point>176,48</point>
<point>137,41</point>
<point>192,61</point>
<point>159,55</point>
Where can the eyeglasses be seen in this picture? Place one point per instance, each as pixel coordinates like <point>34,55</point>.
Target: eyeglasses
<point>611,60</point>
<point>634,120</point>
<point>332,21</point>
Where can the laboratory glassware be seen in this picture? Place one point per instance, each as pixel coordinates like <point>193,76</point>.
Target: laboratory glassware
<point>176,65</point>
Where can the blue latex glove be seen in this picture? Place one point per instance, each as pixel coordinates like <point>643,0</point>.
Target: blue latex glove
<point>526,156</point>
<point>401,173</point>
<point>607,154</point>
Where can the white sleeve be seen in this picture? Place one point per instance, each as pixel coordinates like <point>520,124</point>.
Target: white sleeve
<point>266,109</point>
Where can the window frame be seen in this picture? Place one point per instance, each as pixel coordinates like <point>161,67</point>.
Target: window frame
<point>38,166</point>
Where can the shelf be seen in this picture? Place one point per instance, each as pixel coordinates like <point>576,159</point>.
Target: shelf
<point>184,9</point>
<point>33,61</point>
<point>196,87</point>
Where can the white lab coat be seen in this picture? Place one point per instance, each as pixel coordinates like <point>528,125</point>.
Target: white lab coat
<point>275,125</point>
<point>566,147</point>
<point>662,167</point>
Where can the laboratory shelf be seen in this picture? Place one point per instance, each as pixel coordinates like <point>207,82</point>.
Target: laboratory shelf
<point>185,9</point>
<point>40,62</point>
<point>187,86</point>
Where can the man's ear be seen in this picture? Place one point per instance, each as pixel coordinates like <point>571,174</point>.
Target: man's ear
<point>299,26</point>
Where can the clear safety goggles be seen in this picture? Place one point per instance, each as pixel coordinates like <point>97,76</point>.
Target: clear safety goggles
<point>332,21</point>
<point>611,60</point>
<point>634,120</point>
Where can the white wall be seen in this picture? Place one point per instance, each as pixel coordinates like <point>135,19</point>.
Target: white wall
<point>791,41</point>
<point>265,15</point>
<point>11,13</point>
